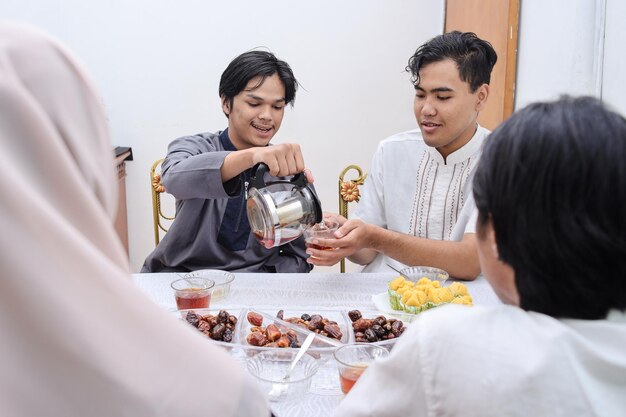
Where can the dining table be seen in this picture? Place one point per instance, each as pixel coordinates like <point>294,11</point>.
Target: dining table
<point>323,290</point>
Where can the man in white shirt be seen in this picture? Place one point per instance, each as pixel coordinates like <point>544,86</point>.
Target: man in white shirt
<point>417,207</point>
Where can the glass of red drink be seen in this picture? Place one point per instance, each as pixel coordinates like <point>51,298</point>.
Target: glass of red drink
<point>352,360</point>
<point>324,230</point>
<point>193,292</point>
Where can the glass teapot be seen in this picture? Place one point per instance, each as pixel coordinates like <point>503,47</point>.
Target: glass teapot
<point>280,210</point>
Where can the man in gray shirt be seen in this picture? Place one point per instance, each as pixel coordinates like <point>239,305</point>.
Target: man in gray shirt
<point>208,173</point>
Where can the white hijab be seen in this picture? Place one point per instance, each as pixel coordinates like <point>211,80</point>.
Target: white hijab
<point>77,338</point>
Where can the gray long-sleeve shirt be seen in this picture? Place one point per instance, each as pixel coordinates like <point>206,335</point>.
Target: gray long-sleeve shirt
<point>211,229</point>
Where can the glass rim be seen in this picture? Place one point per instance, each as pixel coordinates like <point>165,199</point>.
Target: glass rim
<point>219,276</point>
<point>311,231</point>
<point>329,223</point>
<point>358,344</point>
<point>208,281</point>
<point>309,364</point>
<point>441,275</point>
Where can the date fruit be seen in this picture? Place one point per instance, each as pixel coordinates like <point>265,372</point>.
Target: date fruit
<point>318,324</point>
<point>376,329</point>
<point>255,319</point>
<point>218,327</point>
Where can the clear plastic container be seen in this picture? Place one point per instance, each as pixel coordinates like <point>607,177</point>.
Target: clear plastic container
<point>269,368</point>
<point>222,280</point>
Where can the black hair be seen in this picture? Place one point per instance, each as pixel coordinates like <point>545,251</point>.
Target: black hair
<point>552,179</point>
<point>473,56</point>
<point>251,64</point>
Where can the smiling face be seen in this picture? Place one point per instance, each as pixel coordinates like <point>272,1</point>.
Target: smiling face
<point>445,108</point>
<point>256,112</point>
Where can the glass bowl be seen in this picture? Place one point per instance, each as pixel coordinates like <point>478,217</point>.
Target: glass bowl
<point>321,349</point>
<point>386,334</point>
<point>415,273</point>
<point>207,320</point>
<point>269,368</point>
<point>222,280</point>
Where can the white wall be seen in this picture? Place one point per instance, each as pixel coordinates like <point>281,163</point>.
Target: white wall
<point>572,47</point>
<point>558,49</point>
<point>157,65</point>
<point>614,79</point>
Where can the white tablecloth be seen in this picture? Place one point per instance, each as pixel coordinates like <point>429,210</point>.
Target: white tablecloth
<point>282,291</point>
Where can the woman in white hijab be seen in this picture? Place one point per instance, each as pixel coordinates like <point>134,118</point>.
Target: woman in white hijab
<point>77,338</point>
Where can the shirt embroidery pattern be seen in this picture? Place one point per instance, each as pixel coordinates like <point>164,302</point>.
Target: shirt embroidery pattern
<point>426,174</point>
<point>454,196</point>
<point>457,197</point>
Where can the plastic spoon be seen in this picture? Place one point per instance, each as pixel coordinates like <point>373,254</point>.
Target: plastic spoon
<point>399,272</point>
<point>280,387</point>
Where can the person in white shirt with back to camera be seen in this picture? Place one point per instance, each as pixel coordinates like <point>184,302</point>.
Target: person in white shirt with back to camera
<point>550,191</point>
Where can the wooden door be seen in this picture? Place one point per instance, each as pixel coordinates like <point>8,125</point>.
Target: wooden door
<point>497,22</point>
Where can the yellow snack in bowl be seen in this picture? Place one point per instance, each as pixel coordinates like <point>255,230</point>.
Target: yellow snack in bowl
<point>424,288</point>
<point>415,297</point>
<point>413,301</point>
<point>429,291</point>
<point>445,295</point>
<point>404,289</point>
<point>467,299</point>
<point>464,300</point>
<point>422,297</point>
<point>435,297</point>
<point>424,281</point>
<point>396,283</point>
<point>458,289</point>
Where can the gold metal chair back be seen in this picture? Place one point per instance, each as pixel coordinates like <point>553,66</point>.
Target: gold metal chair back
<point>157,188</point>
<point>348,193</point>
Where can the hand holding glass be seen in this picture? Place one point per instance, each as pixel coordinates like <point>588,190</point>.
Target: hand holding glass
<point>324,230</point>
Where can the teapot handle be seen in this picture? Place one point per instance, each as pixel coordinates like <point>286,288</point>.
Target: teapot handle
<point>258,177</point>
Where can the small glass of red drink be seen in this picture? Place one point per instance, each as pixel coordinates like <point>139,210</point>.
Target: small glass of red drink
<point>352,360</point>
<point>324,230</point>
<point>193,292</point>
